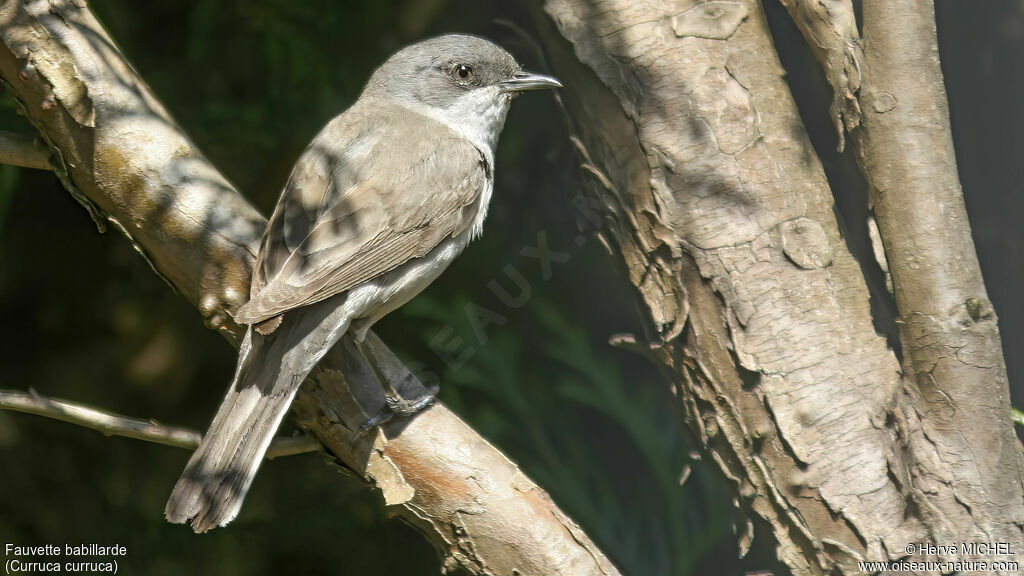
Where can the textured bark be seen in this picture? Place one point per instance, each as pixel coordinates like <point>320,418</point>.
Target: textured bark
<point>830,28</point>
<point>968,465</point>
<point>971,477</point>
<point>121,154</point>
<point>705,186</point>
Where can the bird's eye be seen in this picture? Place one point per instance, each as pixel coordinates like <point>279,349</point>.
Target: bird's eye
<point>462,72</point>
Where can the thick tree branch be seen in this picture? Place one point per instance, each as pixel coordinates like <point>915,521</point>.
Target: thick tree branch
<point>959,397</point>
<point>119,152</point>
<point>708,188</point>
<point>147,430</point>
<point>968,462</point>
<point>725,225</point>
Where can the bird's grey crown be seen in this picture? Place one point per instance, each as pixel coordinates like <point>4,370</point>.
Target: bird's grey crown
<point>424,72</point>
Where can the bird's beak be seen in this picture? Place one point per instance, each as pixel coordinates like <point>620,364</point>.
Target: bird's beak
<point>528,81</point>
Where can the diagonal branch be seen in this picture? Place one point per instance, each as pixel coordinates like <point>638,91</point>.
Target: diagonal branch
<point>110,424</point>
<point>118,151</point>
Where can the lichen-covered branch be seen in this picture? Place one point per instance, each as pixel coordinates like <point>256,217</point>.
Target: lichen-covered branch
<point>706,187</point>
<point>118,151</point>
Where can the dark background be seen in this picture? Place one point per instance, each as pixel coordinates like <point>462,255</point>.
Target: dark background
<point>252,82</point>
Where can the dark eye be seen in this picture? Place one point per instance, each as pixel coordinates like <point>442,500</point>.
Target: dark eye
<point>462,72</point>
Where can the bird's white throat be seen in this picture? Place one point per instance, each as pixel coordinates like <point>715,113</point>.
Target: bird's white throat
<point>478,115</point>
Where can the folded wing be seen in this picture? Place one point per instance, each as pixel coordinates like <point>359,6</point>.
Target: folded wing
<point>356,208</point>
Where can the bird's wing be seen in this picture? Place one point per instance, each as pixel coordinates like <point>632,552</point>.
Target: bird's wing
<point>360,203</point>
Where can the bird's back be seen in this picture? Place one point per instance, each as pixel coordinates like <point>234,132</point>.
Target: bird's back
<point>378,186</point>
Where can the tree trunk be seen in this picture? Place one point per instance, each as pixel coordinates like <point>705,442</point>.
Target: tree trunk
<point>119,152</point>
<point>706,187</point>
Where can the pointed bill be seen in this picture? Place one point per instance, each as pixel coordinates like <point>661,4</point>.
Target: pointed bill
<point>529,81</point>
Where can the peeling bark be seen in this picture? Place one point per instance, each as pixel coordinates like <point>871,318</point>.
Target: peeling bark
<point>119,152</point>
<point>830,28</point>
<point>967,473</point>
<point>706,188</point>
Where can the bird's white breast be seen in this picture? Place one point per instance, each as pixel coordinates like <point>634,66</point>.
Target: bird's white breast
<point>372,300</point>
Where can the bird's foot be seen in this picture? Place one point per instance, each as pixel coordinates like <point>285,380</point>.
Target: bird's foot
<point>395,405</point>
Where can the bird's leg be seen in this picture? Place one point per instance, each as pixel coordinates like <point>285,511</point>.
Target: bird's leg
<point>394,403</point>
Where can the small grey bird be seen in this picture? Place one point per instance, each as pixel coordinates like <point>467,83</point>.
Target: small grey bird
<point>379,204</point>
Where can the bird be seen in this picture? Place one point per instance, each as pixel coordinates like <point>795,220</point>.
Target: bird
<point>378,205</point>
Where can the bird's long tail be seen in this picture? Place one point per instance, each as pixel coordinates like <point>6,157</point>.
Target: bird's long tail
<point>269,372</point>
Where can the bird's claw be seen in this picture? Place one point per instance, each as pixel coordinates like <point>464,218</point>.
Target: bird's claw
<point>395,405</point>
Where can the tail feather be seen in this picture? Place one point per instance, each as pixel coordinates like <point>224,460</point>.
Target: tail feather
<point>270,369</point>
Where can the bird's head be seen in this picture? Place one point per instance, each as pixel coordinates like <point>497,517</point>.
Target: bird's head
<point>464,81</point>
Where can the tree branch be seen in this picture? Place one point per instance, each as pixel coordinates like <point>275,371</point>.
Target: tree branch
<point>724,223</point>
<point>967,461</point>
<point>110,424</point>
<point>21,150</point>
<point>709,191</point>
<point>830,28</point>
<point>120,153</point>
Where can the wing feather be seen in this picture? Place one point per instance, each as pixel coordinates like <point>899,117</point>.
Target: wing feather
<point>358,207</point>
